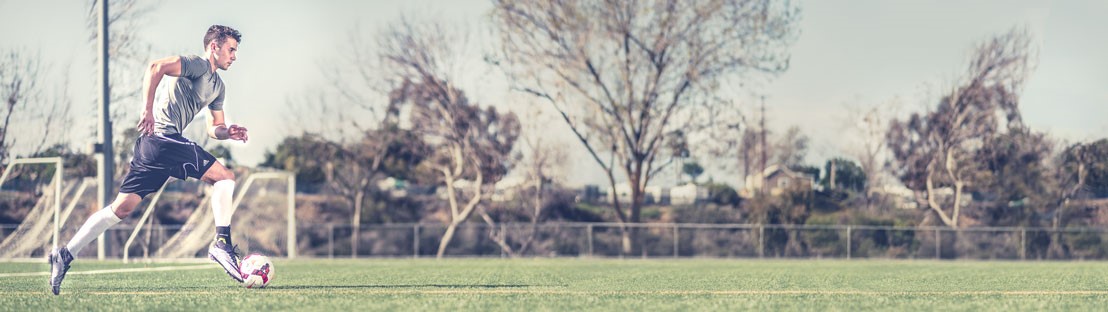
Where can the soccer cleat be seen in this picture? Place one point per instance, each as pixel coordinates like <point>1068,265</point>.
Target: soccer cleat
<point>227,257</point>
<point>59,264</point>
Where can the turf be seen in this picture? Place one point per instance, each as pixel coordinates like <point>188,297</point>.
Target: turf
<point>573,285</point>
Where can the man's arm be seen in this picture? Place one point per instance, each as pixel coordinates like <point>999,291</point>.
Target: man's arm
<point>218,129</point>
<point>158,69</point>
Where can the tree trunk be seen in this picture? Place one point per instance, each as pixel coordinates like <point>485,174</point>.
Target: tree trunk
<point>456,216</point>
<point>496,234</point>
<point>446,239</point>
<point>356,222</point>
<point>1055,250</point>
<point>793,248</point>
<point>631,244</point>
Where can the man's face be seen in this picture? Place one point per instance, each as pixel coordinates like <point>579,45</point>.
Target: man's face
<point>225,54</point>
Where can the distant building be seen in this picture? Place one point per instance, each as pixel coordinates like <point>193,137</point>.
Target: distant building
<point>900,196</point>
<point>590,194</point>
<point>904,198</point>
<point>678,195</point>
<point>504,190</point>
<point>687,194</point>
<point>777,180</point>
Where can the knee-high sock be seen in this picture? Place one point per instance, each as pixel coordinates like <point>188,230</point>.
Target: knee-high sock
<point>222,196</point>
<point>93,227</point>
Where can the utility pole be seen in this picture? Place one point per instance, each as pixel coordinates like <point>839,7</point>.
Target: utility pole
<point>762,129</point>
<point>105,158</point>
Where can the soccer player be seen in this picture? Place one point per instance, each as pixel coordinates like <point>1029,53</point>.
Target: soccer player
<point>161,152</point>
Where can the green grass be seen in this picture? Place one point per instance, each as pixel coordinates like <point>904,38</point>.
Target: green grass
<point>575,284</point>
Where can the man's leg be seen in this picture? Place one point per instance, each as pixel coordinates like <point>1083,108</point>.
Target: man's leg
<point>93,227</point>
<point>222,250</point>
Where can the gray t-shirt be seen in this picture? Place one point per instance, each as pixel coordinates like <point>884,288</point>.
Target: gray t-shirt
<point>195,88</point>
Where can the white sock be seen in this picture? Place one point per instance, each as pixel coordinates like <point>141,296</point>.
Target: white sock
<point>93,227</point>
<point>222,197</point>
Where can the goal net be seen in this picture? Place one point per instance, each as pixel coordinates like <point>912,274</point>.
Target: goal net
<point>261,222</point>
<point>31,190</point>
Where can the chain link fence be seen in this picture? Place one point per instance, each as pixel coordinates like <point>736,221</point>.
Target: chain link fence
<point>656,240</point>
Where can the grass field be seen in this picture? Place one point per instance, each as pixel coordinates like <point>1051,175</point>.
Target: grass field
<point>569,284</point>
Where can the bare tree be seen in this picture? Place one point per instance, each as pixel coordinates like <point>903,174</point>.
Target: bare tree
<point>544,161</point>
<point>357,112</point>
<point>624,74</point>
<point>31,113</point>
<point>19,83</point>
<point>468,143</point>
<point>935,150</point>
<point>1071,175</point>
<point>867,127</point>
<point>791,148</point>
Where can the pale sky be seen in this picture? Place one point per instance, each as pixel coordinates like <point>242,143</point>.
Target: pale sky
<point>858,53</point>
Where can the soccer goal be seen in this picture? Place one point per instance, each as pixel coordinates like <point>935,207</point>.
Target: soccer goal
<point>38,232</point>
<point>264,221</point>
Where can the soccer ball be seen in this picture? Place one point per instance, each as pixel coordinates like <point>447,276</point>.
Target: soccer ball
<point>256,271</point>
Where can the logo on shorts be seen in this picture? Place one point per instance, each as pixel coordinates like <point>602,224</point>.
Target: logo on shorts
<point>205,163</point>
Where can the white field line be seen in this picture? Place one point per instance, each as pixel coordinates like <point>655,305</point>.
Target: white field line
<point>308,290</point>
<point>112,271</point>
<point>387,291</point>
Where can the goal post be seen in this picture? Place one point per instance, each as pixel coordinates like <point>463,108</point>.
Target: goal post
<point>290,201</point>
<point>59,165</point>
<point>145,215</point>
<point>193,236</point>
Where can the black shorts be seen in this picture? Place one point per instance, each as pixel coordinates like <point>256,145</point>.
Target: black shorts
<point>158,157</point>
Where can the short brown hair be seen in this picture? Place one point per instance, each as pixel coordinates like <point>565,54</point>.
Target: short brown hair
<point>220,33</point>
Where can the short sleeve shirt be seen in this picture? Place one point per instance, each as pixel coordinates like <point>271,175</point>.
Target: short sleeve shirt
<point>197,87</point>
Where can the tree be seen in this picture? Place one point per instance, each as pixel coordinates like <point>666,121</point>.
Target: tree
<point>29,116</point>
<point>623,75</point>
<point>19,84</point>
<point>1071,174</point>
<point>936,149</point>
<point>693,170</point>
<point>357,164</point>
<point>843,174</point>
<point>791,148</point>
<point>1088,163</point>
<point>1017,177</point>
<point>359,110</point>
<point>306,156</point>
<point>466,142</point>
<point>868,127</point>
<point>544,163</point>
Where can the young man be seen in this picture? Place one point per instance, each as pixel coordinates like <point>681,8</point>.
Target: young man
<point>161,152</point>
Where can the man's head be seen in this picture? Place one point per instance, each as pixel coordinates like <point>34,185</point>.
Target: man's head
<point>222,43</point>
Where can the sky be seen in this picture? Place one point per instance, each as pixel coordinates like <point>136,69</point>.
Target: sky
<point>857,53</point>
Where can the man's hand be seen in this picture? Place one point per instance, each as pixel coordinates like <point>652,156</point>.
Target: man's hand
<point>146,123</point>
<point>236,132</point>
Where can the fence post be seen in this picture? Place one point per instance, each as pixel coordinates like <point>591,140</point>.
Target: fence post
<point>848,241</point>
<point>331,240</point>
<point>590,239</point>
<point>1023,243</point>
<point>415,241</point>
<point>761,241</point>
<point>938,244</point>
<point>676,239</point>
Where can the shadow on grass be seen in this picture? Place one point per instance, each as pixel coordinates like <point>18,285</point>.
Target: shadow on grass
<point>302,287</point>
<point>445,286</point>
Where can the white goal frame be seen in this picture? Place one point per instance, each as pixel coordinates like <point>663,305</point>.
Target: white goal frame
<point>59,164</point>
<point>275,175</point>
